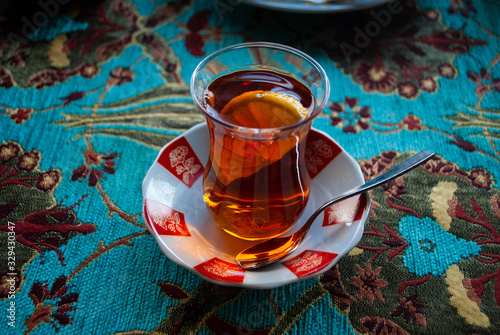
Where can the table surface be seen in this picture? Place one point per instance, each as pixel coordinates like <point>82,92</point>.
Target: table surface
<point>90,91</point>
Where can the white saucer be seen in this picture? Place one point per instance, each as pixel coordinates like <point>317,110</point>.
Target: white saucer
<point>176,215</point>
<point>316,6</point>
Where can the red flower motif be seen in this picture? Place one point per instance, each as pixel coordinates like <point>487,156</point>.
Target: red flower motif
<point>120,76</point>
<point>8,151</point>
<point>378,165</point>
<point>104,164</point>
<point>407,90</point>
<point>52,305</point>
<point>447,71</point>
<point>89,70</point>
<point>48,180</point>
<point>437,165</point>
<point>83,171</point>
<point>395,188</point>
<point>484,82</point>
<point>350,116</point>
<point>29,160</point>
<point>374,78</point>
<point>427,84</point>
<point>411,309</point>
<point>480,178</point>
<point>411,122</point>
<point>20,115</point>
<point>45,78</point>
<point>369,283</point>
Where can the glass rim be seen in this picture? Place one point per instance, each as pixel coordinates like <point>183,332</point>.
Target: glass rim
<point>269,45</point>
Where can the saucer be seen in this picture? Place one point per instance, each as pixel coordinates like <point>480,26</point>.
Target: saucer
<point>316,6</point>
<point>176,215</point>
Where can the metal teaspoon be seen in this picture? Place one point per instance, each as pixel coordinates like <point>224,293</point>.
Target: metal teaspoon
<point>276,248</point>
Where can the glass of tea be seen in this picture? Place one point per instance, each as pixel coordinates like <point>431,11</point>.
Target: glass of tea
<point>259,101</point>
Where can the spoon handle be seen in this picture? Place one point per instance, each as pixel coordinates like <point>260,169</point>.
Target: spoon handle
<point>395,172</point>
<point>276,248</point>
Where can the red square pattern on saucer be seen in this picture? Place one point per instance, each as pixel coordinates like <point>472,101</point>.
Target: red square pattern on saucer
<point>221,270</point>
<point>309,262</point>
<point>165,220</point>
<point>320,151</point>
<point>180,160</point>
<point>348,210</point>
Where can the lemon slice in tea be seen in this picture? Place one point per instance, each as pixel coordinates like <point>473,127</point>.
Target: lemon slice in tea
<point>238,157</point>
<point>263,109</point>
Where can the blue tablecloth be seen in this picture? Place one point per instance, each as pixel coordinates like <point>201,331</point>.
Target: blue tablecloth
<point>89,93</point>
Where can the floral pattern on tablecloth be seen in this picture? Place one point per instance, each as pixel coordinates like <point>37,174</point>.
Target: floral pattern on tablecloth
<point>89,93</point>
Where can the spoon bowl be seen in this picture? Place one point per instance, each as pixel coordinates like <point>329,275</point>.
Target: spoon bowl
<point>276,248</point>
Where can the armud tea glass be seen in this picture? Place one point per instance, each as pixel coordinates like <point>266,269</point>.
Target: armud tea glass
<point>256,183</point>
